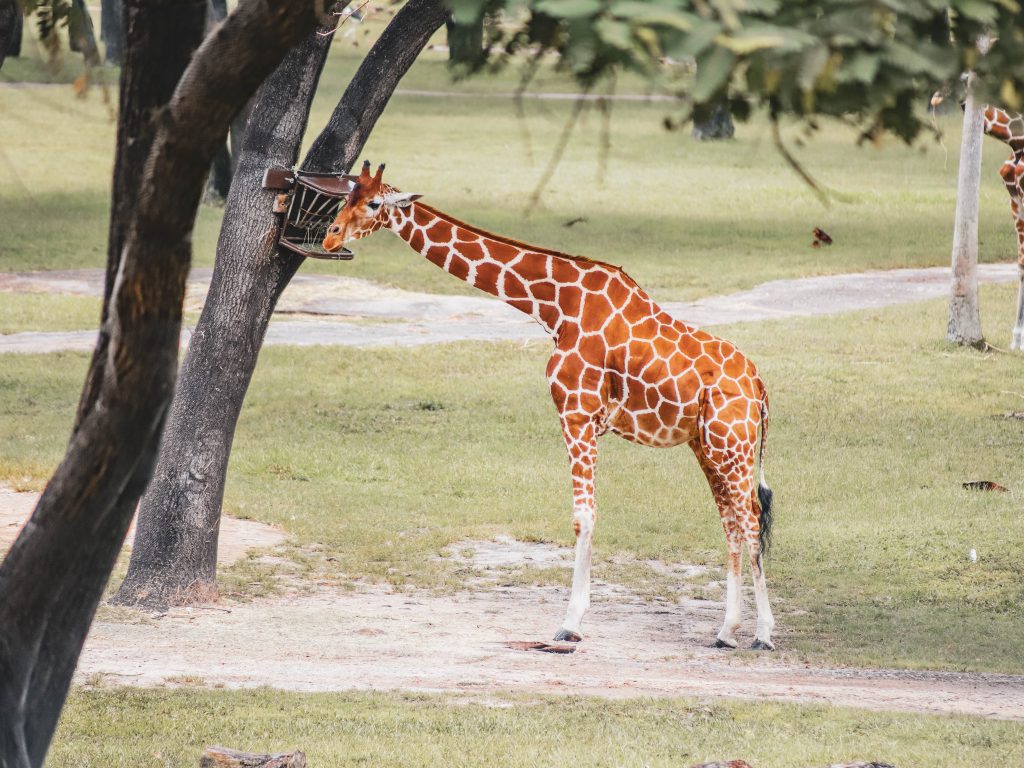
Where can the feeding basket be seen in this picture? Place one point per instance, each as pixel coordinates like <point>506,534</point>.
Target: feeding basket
<point>310,202</point>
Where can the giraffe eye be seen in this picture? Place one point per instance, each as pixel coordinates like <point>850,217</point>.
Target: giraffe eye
<point>373,205</point>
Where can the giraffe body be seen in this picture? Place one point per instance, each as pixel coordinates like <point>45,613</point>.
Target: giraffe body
<point>620,364</point>
<point>1010,130</point>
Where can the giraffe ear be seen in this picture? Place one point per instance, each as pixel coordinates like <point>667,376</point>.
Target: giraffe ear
<point>400,199</point>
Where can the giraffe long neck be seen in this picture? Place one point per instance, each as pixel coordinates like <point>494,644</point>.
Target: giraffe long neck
<point>1009,129</point>
<point>536,281</point>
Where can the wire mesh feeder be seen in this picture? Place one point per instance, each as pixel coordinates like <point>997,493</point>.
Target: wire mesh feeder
<point>309,202</point>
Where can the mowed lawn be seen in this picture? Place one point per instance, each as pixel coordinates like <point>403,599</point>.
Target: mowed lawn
<point>385,457</point>
<point>129,728</point>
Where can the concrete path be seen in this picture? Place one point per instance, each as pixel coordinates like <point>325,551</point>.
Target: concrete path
<point>345,311</point>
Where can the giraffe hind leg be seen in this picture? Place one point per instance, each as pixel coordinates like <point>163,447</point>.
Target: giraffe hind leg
<point>734,565</point>
<point>726,455</point>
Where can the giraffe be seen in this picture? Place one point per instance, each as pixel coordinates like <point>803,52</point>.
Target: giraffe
<point>1010,130</point>
<point>620,364</point>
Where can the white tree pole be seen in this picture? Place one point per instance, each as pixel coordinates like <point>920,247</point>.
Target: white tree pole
<point>964,319</point>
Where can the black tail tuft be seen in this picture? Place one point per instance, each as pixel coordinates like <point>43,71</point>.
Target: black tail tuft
<point>764,498</point>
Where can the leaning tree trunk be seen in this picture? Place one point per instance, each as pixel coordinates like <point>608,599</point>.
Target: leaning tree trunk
<point>111,30</point>
<point>53,577</point>
<point>964,317</point>
<point>175,551</point>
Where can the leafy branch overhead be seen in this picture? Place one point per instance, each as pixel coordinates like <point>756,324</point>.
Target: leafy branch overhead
<point>874,63</point>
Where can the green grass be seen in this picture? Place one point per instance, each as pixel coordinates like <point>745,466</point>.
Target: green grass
<point>130,728</point>
<point>43,312</point>
<point>387,456</point>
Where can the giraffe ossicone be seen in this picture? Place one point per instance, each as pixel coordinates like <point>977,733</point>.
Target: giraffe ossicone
<point>621,364</point>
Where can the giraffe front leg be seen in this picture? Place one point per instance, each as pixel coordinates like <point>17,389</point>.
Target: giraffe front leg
<point>582,444</point>
<point>733,582</point>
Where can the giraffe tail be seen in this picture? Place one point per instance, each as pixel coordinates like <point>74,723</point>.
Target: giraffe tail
<point>764,493</point>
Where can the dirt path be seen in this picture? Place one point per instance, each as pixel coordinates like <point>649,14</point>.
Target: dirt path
<point>370,638</point>
<point>348,311</point>
<point>237,537</point>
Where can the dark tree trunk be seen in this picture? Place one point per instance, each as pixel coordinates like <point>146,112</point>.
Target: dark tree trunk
<point>175,549</point>
<point>466,40</point>
<point>715,126</point>
<point>16,36</point>
<point>111,30</point>
<point>10,29</point>
<point>52,578</point>
<point>218,183</point>
<point>81,36</point>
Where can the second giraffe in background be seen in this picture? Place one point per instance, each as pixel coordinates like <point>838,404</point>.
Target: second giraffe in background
<point>621,364</point>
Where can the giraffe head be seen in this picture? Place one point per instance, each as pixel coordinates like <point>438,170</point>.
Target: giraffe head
<point>366,209</point>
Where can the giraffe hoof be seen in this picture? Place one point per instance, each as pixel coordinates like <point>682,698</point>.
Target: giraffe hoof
<point>567,636</point>
<point>762,645</point>
<point>731,645</point>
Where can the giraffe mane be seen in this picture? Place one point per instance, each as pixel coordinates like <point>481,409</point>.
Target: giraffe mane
<point>525,246</point>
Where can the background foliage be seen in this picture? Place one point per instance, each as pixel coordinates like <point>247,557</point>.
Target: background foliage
<point>871,63</point>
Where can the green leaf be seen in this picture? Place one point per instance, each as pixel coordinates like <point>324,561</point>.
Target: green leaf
<point>908,59</point>
<point>640,13</point>
<point>697,41</point>
<point>979,10</point>
<point>862,68</point>
<point>615,33</point>
<point>746,42</point>
<point>569,9</point>
<point>466,11</point>
<point>713,70</point>
<point>811,66</point>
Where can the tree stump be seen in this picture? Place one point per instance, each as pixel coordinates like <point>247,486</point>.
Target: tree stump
<point>222,757</point>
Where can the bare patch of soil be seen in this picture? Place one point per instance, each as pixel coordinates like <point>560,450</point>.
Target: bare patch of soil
<point>498,639</point>
<point>237,537</point>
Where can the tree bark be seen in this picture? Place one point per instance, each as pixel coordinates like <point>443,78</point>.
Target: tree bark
<point>718,125</point>
<point>466,40</point>
<point>218,183</point>
<point>174,556</point>
<point>81,35</point>
<point>52,578</point>
<point>964,317</point>
<point>10,29</point>
<point>111,30</point>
